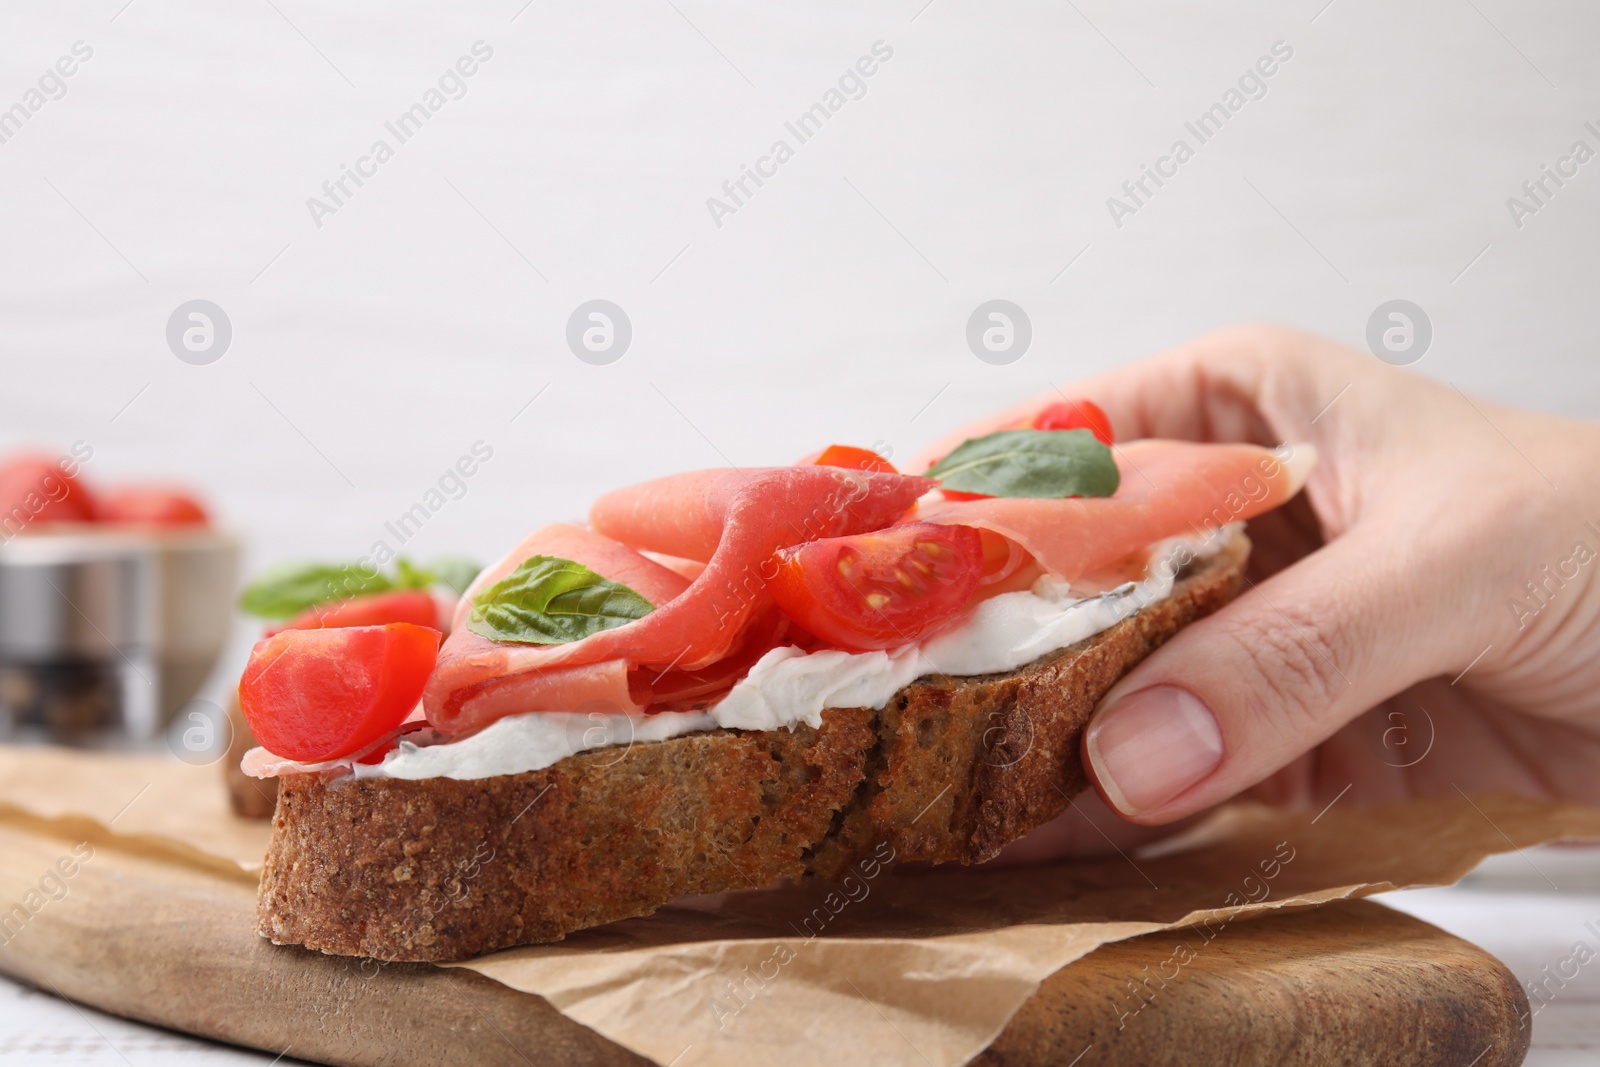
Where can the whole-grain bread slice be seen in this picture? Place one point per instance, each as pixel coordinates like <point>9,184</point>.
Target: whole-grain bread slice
<point>951,770</point>
<point>250,798</point>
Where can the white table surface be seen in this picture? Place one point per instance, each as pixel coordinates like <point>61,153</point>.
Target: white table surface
<point>1507,906</point>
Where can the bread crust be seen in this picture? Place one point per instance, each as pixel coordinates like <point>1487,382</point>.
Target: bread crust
<point>951,770</point>
<point>250,798</point>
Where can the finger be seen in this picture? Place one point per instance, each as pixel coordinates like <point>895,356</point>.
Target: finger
<point>1236,696</point>
<point>1254,384</point>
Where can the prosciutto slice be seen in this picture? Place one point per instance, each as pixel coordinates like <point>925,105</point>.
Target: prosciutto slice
<point>1168,489</point>
<point>734,520</point>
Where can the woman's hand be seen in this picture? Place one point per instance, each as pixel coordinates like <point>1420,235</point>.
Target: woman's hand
<point>1425,618</point>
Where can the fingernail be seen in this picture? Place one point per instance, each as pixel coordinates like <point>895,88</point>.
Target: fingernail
<point>1151,745</point>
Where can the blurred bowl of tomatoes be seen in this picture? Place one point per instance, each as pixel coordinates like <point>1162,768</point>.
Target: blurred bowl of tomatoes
<point>115,603</point>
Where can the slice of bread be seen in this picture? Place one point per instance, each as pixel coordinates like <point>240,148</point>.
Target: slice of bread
<point>250,798</point>
<point>951,770</point>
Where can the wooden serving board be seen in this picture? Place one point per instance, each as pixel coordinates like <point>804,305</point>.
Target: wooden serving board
<point>1350,983</point>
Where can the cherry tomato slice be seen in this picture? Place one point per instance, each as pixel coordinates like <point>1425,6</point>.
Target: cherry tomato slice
<point>860,459</point>
<point>34,489</point>
<point>150,505</point>
<point>882,589</point>
<point>314,695</point>
<point>415,606</point>
<point>1075,415</point>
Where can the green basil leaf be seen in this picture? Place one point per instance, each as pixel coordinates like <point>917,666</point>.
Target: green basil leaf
<point>550,601</point>
<point>288,590</point>
<point>408,575</point>
<point>456,572</point>
<point>1030,463</point>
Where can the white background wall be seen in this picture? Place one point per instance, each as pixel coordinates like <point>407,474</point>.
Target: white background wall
<point>374,350</point>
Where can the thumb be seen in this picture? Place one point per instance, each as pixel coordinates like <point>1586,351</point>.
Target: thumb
<point>1237,695</point>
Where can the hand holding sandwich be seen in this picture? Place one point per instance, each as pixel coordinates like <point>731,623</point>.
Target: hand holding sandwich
<point>1422,619</point>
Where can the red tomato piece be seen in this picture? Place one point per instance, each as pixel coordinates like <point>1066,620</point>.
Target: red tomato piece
<point>860,459</point>
<point>415,606</point>
<point>882,589</point>
<point>34,489</point>
<point>956,494</point>
<point>150,505</point>
<point>1075,415</point>
<point>314,695</point>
